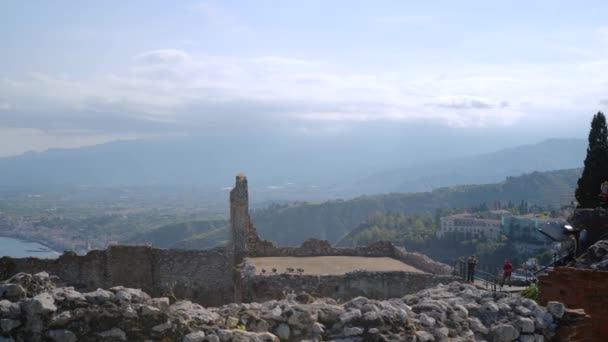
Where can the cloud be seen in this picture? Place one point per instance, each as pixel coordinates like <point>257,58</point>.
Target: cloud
<point>174,91</point>
<point>465,103</point>
<point>163,57</point>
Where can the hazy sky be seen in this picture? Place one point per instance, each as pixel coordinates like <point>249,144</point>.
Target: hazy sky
<point>81,72</point>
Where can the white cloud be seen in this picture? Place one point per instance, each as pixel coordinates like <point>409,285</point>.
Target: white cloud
<point>173,90</point>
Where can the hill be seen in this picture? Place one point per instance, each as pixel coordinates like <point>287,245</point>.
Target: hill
<point>552,154</point>
<point>187,235</point>
<point>293,223</point>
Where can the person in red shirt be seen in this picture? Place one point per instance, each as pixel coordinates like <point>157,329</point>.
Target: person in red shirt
<point>507,270</point>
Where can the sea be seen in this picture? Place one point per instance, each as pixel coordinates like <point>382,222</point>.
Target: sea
<point>19,249</point>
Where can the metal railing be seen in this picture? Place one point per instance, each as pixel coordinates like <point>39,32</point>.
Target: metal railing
<point>488,279</point>
<point>492,281</point>
<point>561,258</point>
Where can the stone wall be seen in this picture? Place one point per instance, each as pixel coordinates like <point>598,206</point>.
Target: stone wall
<point>240,221</point>
<point>376,285</point>
<point>203,276</point>
<point>579,289</point>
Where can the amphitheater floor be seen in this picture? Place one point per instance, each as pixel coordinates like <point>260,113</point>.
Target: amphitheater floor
<point>330,264</point>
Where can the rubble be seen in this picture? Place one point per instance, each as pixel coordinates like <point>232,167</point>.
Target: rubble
<point>452,312</point>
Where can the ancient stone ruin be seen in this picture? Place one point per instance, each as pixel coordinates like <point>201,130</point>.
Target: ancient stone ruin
<point>104,296</point>
<point>33,308</point>
<point>228,274</point>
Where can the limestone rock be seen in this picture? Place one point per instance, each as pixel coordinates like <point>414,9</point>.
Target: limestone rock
<point>99,296</point>
<point>114,333</point>
<point>527,338</point>
<point>353,331</point>
<point>424,336</point>
<point>12,291</point>
<point>41,304</point>
<point>504,333</point>
<point>61,320</point>
<point>161,303</point>
<point>198,336</point>
<point>283,331</point>
<point>302,317</point>
<point>452,312</point>
<point>62,335</point>
<point>350,315</point>
<point>148,310</point>
<point>9,309</point>
<point>6,325</point>
<point>188,311</point>
<point>525,325</point>
<point>162,327</point>
<point>556,309</point>
<point>232,322</point>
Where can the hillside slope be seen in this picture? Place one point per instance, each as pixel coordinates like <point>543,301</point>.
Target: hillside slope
<point>331,220</point>
<point>187,235</point>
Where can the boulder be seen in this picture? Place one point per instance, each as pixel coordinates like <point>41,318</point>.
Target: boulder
<point>198,336</point>
<point>283,331</point>
<point>6,325</point>
<point>504,333</point>
<point>114,334</point>
<point>556,309</point>
<point>99,296</point>
<point>42,304</point>
<point>12,291</point>
<point>62,335</point>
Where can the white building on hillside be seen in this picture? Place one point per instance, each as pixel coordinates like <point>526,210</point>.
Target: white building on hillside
<point>470,225</point>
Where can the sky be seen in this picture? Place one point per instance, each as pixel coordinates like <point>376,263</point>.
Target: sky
<point>82,73</point>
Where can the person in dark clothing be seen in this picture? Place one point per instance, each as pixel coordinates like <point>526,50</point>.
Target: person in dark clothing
<point>471,263</point>
<point>507,269</point>
<point>583,238</point>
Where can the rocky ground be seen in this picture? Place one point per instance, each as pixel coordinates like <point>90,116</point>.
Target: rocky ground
<point>596,257</point>
<point>33,309</point>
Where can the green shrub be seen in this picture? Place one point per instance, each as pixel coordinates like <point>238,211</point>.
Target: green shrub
<point>531,292</point>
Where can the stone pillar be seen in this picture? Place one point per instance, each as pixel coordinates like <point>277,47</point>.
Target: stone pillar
<point>239,218</point>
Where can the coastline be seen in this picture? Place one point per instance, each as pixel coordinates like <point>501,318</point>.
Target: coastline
<point>46,244</point>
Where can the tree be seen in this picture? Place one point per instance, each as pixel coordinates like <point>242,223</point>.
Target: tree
<point>596,164</point>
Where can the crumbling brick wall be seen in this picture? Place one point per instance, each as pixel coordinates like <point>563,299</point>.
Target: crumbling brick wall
<point>575,326</point>
<point>579,289</point>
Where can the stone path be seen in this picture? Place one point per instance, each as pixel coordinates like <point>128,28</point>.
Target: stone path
<point>509,289</point>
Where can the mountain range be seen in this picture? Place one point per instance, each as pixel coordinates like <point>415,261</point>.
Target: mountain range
<point>281,169</point>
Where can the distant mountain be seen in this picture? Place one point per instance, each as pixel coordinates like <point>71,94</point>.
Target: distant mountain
<point>553,154</point>
<point>283,168</point>
<point>292,224</point>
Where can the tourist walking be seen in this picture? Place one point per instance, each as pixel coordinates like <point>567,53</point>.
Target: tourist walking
<point>471,263</point>
<point>507,269</point>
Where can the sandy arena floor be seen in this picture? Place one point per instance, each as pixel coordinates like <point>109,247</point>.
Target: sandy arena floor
<point>330,264</point>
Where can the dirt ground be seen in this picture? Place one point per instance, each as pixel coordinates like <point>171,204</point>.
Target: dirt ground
<point>329,264</point>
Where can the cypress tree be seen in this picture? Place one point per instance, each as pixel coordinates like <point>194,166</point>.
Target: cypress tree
<point>596,164</point>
